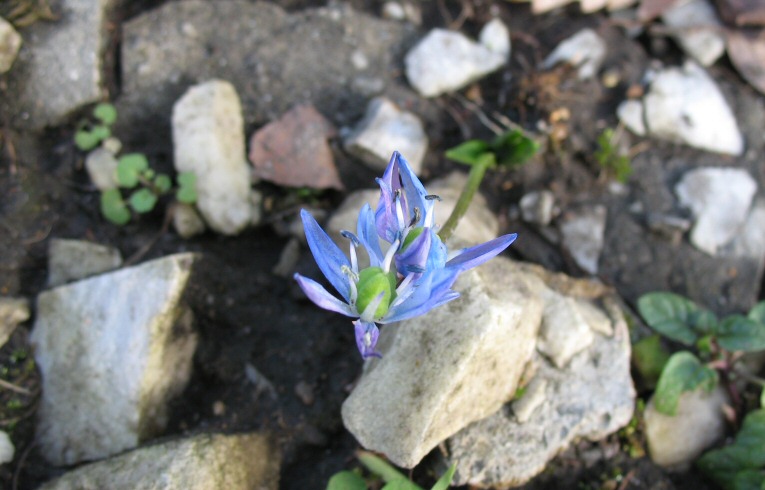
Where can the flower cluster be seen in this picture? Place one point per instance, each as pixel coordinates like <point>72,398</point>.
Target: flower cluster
<point>414,275</point>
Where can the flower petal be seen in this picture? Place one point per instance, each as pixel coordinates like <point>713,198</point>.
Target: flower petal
<point>413,188</point>
<point>367,334</point>
<point>322,298</point>
<point>475,256</point>
<point>367,231</point>
<point>328,256</point>
<point>414,259</point>
<point>431,290</point>
<point>385,215</point>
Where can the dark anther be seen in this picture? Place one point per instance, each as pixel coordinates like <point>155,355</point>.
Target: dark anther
<point>431,197</point>
<point>350,236</point>
<point>416,217</point>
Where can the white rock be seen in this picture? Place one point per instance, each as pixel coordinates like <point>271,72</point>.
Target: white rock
<point>445,61</point>
<point>495,37</point>
<point>630,113</point>
<point>676,440</point>
<point>750,242</point>
<point>384,129</point>
<point>700,32</point>
<point>6,448</point>
<point>70,260</point>
<point>719,199</point>
<point>590,6</point>
<point>684,105</point>
<point>468,356</point>
<point>583,232</point>
<point>112,351</point>
<point>535,395</point>
<point>537,207</point>
<point>584,50</point>
<point>101,165</point>
<point>620,4</point>
<point>542,6</point>
<point>201,462</point>
<point>403,11</point>
<point>208,140</point>
<point>558,344</point>
<point>10,43</point>
<point>12,312</point>
<point>186,221</point>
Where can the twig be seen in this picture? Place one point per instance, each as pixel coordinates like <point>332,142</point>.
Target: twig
<point>10,386</point>
<point>464,128</point>
<point>475,109</point>
<point>20,465</point>
<point>138,255</point>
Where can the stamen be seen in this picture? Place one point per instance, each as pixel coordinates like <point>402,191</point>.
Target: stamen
<point>403,291</point>
<point>353,278</point>
<point>355,242</point>
<point>389,256</point>
<point>350,236</point>
<point>416,217</point>
<point>432,197</point>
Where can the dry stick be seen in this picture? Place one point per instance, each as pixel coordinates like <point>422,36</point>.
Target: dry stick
<point>13,387</point>
<point>138,255</point>
<point>19,466</point>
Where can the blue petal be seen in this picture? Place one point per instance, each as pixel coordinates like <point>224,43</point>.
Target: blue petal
<point>437,254</point>
<point>415,191</point>
<point>431,291</point>
<point>327,255</point>
<point>385,215</point>
<point>475,256</point>
<point>322,298</point>
<point>415,257</point>
<point>367,334</point>
<point>367,231</point>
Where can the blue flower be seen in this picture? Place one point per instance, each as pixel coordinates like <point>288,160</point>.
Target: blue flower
<point>412,277</point>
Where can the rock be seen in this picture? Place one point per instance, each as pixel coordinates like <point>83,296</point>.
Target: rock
<point>559,344</point>
<point>537,207</point>
<point>6,448</point>
<point>384,129</point>
<point>13,311</point>
<point>208,140</point>
<point>630,113</point>
<point>293,151</point>
<point>70,260</point>
<point>583,232</point>
<point>468,355</point>
<point>542,6</point>
<point>59,68</point>
<point>584,50</point>
<point>698,423</point>
<point>750,241</point>
<point>201,462</point>
<point>112,351</point>
<point>668,226</point>
<point>719,199</point>
<point>101,165</point>
<point>288,259</point>
<point>445,61</point>
<point>591,398</point>
<point>699,30</point>
<point>186,221</point>
<point>10,43</point>
<point>409,11</point>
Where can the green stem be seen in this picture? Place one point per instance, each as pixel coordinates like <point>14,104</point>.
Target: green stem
<point>477,171</point>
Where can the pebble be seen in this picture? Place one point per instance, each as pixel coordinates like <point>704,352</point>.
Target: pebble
<point>10,43</point>
<point>584,50</point>
<point>583,231</point>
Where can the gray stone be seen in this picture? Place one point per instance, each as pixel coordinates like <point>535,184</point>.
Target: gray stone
<point>591,398</point>
<point>112,351</point>
<point>101,165</point>
<point>6,448</point>
<point>288,259</point>
<point>386,128</point>
<point>406,10</point>
<point>700,33</point>
<point>445,61</point>
<point>559,344</point>
<point>201,462</point>
<point>676,440</point>
<point>10,43</point>
<point>583,232</point>
<point>584,50</point>
<point>70,260</point>
<point>186,221</point>
<point>630,113</point>
<point>469,356</point>
<point>537,207</point>
<point>208,140</point>
<point>59,67</point>
<point>13,311</point>
<point>719,199</point>
<point>750,242</point>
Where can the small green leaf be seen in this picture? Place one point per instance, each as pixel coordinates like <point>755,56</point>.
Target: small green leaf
<point>470,152</point>
<point>649,357</point>
<point>187,188</point>
<point>346,480</point>
<point>380,467</point>
<point>85,140</point>
<point>105,112</point>
<point>749,480</point>
<point>129,169</point>
<point>675,317</point>
<point>163,183</point>
<point>143,200</point>
<point>758,312</point>
<point>402,484</point>
<point>101,132</point>
<point>514,148</point>
<point>683,372</point>
<point>446,479</point>
<point>113,207</point>
<point>739,333</point>
<point>762,398</point>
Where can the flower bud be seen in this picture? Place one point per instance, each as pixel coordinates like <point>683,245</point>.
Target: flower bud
<point>373,281</point>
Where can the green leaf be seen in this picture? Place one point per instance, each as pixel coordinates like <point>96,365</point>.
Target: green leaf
<point>401,485</point>
<point>187,188</point>
<point>514,148</point>
<point>758,312</point>
<point>101,132</point>
<point>129,169</point>
<point>675,317</point>
<point>683,372</point>
<point>739,333</point>
<point>749,480</point>
<point>85,140</point>
<point>446,479</point>
<point>143,200</point>
<point>649,357</point>
<point>346,480</point>
<point>762,398</point>
<point>105,112</point>
<point>470,152</point>
<point>380,467</point>
<point>113,207</point>
<point>163,183</point>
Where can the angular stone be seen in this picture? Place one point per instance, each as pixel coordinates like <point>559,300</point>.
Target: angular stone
<point>59,68</point>
<point>719,199</point>
<point>112,351</point>
<point>101,165</point>
<point>537,207</point>
<point>201,462</point>
<point>10,43</point>
<point>384,129</point>
<point>558,344</point>
<point>592,397</point>
<point>6,448</point>
<point>584,50</point>
<point>583,232</point>
<point>186,221</point>
<point>468,356</point>
<point>630,113</point>
<point>12,312</point>
<point>208,140</point>
<point>70,260</point>
<point>700,32</point>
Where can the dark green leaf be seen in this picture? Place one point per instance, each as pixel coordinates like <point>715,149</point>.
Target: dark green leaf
<point>739,333</point>
<point>749,480</point>
<point>129,168</point>
<point>105,112</point>
<point>163,183</point>
<point>85,140</point>
<point>683,372</point>
<point>758,312</point>
<point>514,148</point>
<point>113,207</point>
<point>401,485</point>
<point>674,316</point>
<point>187,188</point>
<point>346,480</point>
<point>380,467</point>
<point>470,152</point>
<point>143,200</point>
<point>650,357</point>
<point>446,479</point>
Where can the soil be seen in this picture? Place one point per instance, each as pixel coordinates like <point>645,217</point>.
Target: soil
<point>248,315</point>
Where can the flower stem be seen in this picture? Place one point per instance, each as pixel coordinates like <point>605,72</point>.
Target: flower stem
<point>477,171</point>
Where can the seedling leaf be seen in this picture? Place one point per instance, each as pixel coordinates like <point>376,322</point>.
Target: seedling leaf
<point>470,152</point>
<point>101,132</point>
<point>403,484</point>
<point>163,183</point>
<point>380,467</point>
<point>187,188</point>
<point>346,480</point>
<point>113,207</point>
<point>85,140</point>
<point>106,113</point>
<point>143,200</point>
<point>650,357</point>
<point>514,148</point>
<point>758,312</point>
<point>675,317</point>
<point>739,333</point>
<point>129,169</point>
<point>446,479</point>
<point>683,372</point>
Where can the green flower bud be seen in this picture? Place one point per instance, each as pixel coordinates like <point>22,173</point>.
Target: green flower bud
<point>411,236</point>
<point>372,282</point>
